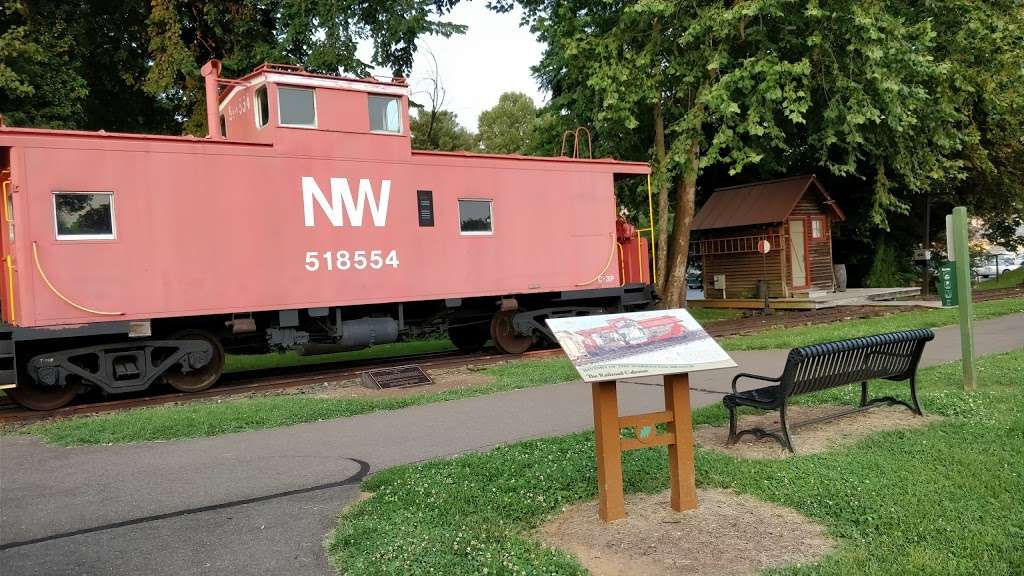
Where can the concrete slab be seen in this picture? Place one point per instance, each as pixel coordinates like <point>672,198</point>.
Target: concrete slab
<point>196,502</point>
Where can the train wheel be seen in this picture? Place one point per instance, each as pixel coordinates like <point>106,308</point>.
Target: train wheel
<point>505,338</point>
<point>470,337</point>
<point>36,397</point>
<point>203,376</point>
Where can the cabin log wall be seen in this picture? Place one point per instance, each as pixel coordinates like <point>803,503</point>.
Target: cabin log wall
<point>743,270</point>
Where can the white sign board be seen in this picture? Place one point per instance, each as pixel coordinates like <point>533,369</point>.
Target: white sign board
<point>654,343</point>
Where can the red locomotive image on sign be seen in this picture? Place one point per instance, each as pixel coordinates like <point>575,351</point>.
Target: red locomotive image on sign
<point>619,333</point>
<point>637,344</point>
<point>304,218</point>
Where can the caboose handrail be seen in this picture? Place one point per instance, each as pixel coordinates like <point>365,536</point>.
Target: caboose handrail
<point>611,256</point>
<point>39,267</point>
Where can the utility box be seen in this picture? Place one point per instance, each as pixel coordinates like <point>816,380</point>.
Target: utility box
<point>719,282</point>
<point>947,284</point>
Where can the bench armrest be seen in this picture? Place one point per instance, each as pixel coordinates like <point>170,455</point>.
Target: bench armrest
<point>754,377</point>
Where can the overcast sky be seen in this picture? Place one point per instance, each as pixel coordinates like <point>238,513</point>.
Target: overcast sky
<point>493,56</point>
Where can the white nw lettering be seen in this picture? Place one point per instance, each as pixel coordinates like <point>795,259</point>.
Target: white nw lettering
<point>342,204</point>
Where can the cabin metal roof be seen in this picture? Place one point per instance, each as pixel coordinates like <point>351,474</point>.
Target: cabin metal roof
<point>767,202</point>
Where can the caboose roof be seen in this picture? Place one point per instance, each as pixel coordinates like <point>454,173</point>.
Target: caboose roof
<point>296,76</point>
<point>767,202</point>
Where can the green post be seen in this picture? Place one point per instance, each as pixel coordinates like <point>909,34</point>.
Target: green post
<point>963,278</point>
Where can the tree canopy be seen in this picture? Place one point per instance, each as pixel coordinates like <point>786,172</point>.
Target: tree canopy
<point>440,130</point>
<point>889,100</point>
<point>134,65</point>
<point>508,127</point>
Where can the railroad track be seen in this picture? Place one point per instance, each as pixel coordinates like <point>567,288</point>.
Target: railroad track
<point>265,381</point>
<point>279,379</point>
<point>761,323</point>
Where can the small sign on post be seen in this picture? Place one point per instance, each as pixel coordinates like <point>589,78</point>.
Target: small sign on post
<point>667,343</point>
<point>957,224</point>
<point>764,247</point>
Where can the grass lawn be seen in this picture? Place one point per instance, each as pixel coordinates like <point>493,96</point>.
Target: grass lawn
<point>710,315</point>
<point>235,363</point>
<point>945,499</point>
<point>924,318</point>
<point>1006,280</point>
<point>212,418</point>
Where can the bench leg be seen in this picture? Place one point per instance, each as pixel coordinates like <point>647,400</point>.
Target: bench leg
<point>913,405</point>
<point>913,396</point>
<point>785,429</point>
<point>732,425</point>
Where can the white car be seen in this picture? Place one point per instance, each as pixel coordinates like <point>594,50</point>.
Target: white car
<point>994,264</point>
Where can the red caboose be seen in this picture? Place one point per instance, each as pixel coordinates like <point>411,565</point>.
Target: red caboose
<point>304,217</point>
<point>622,332</point>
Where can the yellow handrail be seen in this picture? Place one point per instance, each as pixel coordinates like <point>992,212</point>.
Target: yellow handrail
<point>7,259</point>
<point>10,287</point>
<point>639,256</point>
<point>611,255</point>
<point>622,266</point>
<point>7,215</point>
<point>39,267</point>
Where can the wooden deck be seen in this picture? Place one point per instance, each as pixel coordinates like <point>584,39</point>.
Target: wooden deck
<point>818,300</point>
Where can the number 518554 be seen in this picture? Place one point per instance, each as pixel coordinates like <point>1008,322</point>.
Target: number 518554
<point>345,260</point>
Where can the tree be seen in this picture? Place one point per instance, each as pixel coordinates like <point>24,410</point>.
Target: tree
<point>38,81</point>
<point>134,64</point>
<point>439,130</point>
<point>861,92</point>
<point>508,127</point>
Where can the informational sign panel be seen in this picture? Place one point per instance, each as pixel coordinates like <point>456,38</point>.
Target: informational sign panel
<point>398,377</point>
<point>634,344</point>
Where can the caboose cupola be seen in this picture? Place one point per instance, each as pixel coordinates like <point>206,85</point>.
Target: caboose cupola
<point>281,103</point>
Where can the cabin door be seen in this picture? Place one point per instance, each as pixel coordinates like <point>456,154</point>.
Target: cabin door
<point>798,253</point>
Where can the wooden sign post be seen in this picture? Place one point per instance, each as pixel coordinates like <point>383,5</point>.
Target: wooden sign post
<point>610,446</point>
<point>668,343</point>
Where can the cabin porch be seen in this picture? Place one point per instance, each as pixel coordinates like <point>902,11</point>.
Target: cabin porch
<point>816,300</point>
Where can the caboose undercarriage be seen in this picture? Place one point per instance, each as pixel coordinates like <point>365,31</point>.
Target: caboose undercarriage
<point>52,366</point>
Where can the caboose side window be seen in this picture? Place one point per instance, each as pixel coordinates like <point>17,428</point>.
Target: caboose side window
<point>385,114</point>
<point>296,107</point>
<point>84,215</point>
<point>475,217</point>
<point>262,107</point>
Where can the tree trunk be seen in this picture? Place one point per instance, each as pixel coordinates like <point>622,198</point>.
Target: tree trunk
<point>662,181</point>
<point>674,295</point>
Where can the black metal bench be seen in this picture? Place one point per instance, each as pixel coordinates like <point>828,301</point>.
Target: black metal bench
<point>893,356</point>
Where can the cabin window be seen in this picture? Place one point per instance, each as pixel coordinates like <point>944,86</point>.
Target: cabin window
<point>223,126</point>
<point>425,205</point>
<point>262,107</point>
<point>385,114</point>
<point>817,228</point>
<point>475,216</point>
<point>297,107</point>
<point>84,215</point>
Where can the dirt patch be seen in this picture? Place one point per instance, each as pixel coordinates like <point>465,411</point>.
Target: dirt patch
<point>812,438</point>
<point>728,534</point>
<point>444,379</point>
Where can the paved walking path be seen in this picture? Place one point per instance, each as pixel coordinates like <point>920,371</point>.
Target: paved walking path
<point>261,502</point>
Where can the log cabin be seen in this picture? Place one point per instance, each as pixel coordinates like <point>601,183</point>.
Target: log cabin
<point>795,215</point>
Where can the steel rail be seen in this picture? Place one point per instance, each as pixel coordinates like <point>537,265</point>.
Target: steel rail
<point>259,382</point>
